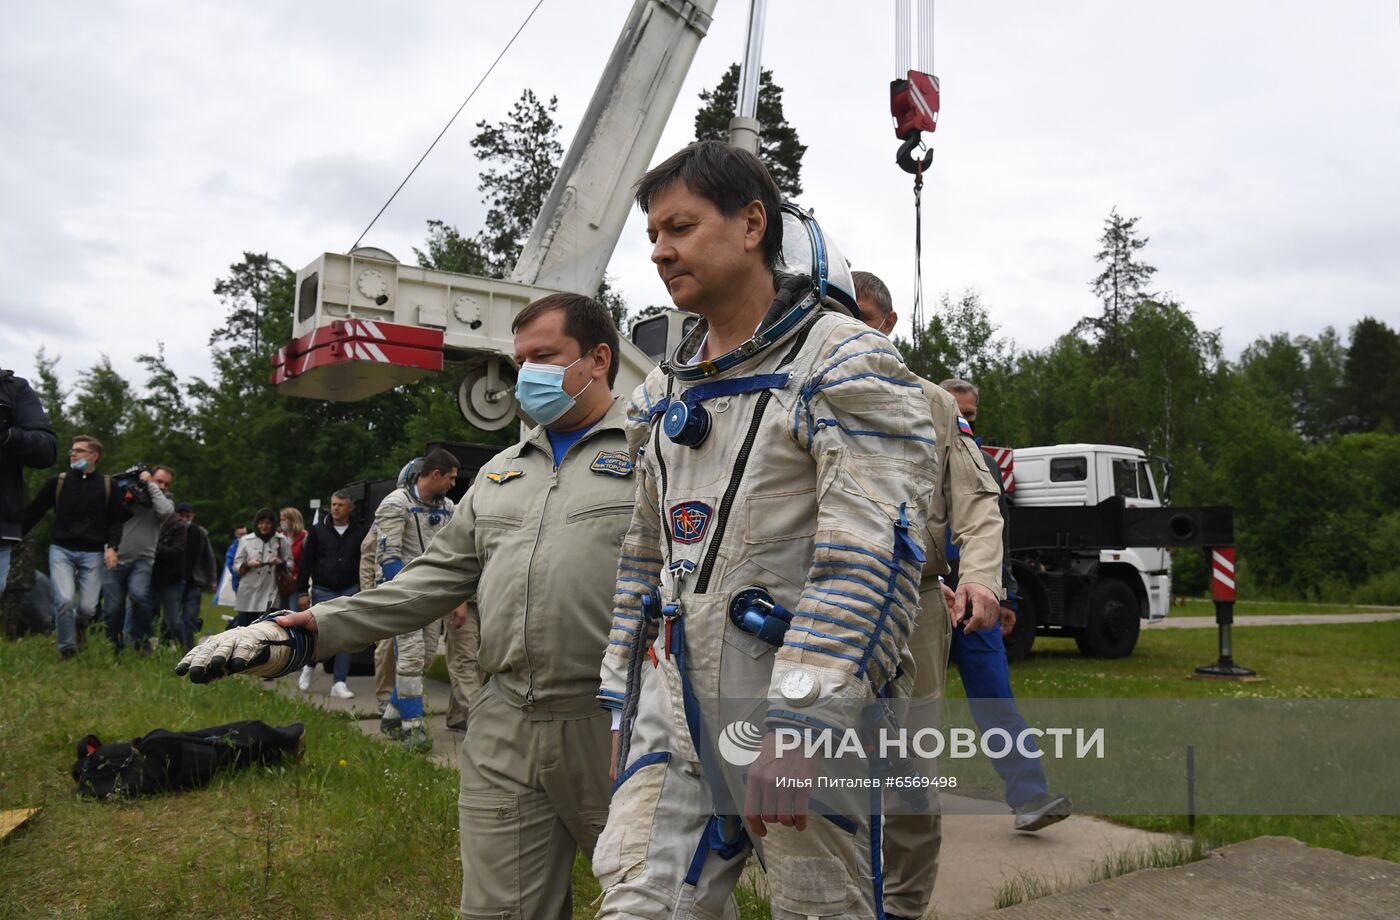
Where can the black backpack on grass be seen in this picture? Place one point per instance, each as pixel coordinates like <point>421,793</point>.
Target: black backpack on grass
<point>165,761</point>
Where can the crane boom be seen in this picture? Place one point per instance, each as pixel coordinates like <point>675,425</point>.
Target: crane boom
<point>578,227</point>
<point>365,323</point>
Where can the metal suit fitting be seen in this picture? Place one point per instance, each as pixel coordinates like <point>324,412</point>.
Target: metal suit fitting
<point>755,612</point>
<point>685,424</point>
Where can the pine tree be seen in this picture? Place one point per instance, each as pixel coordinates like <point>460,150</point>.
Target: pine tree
<point>778,144</point>
<point>526,145</point>
<point>1123,282</point>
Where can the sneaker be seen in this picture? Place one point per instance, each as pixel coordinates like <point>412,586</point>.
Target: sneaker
<point>342,692</point>
<point>382,704</point>
<point>304,681</point>
<point>391,728</point>
<point>1042,811</point>
<point>415,738</point>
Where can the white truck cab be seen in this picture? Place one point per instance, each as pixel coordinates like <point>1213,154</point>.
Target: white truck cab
<point>1079,475</point>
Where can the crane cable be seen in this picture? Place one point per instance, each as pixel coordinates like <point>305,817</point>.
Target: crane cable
<point>526,22</point>
<point>904,66</point>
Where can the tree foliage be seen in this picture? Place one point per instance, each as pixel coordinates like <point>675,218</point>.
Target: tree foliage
<point>525,153</point>
<point>1297,434</point>
<point>778,145</point>
<point>1122,280</point>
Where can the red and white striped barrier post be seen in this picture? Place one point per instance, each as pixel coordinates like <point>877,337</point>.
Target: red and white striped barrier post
<point>1222,591</point>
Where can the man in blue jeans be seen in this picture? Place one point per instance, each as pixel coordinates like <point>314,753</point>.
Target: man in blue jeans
<point>130,578</point>
<point>981,660</point>
<point>330,566</point>
<point>87,530</point>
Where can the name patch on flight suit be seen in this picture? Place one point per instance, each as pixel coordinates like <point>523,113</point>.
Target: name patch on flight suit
<point>614,463</point>
<point>689,521</point>
<point>505,476</point>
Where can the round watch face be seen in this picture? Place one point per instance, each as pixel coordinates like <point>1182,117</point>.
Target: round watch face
<point>799,687</point>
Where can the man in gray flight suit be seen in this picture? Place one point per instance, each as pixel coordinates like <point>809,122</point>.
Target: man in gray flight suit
<point>406,522</point>
<point>785,454</point>
<point>536,542</point>
<point>966,501</point>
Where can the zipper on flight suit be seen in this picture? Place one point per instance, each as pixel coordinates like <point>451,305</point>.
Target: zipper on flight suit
<point>741,462</point>
<point>529,573</point>
<point>530,566</point>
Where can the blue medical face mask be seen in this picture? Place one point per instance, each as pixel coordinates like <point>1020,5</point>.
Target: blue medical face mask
<point>79,465</point>
<point>540,390</point>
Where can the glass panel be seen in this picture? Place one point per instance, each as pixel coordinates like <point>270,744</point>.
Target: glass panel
<point>1144,481</point>
<point>1069,469</point>
<point>1125,478</point>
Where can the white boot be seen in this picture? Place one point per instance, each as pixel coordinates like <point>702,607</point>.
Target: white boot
<point>304,681</point>
<point>342,692</point>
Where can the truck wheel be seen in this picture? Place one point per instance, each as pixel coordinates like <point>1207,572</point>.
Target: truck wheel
<point>1114,620</point>
<point>1028,613</point>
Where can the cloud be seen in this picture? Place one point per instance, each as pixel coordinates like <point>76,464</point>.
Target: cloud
<point>147,150</point>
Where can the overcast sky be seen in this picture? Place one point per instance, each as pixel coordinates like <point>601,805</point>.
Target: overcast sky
<point>147,145</point>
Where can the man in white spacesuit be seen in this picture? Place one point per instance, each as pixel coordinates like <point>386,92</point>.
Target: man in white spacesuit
<point>785,463</point>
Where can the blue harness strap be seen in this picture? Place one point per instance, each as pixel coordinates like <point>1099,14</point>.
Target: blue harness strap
<point>712,839</point>
<point>736,386</point>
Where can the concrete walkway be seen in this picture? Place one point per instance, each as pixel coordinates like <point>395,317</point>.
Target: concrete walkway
<point>980,849</point>
<point>1274,877</point>
<point>981,853</point>
<point>1280,619</point>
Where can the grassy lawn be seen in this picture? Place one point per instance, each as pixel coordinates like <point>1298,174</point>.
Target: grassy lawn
<point>356,829</point>
<point>1345,661</point>
<point>1203,607</point>
<point>360,829</point>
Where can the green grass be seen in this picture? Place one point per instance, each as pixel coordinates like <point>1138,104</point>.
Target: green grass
<point>1203,607</point>
<point>359,828</point>
<point>1356,660</point>
<point>1310,662</point>
<point>356,829</point>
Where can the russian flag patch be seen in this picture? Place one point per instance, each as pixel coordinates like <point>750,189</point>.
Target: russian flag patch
<point>965,426</point>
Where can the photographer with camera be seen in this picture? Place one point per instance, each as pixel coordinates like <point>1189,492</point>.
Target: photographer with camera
<point>26,439</point>
<point>87,517</point>
<point>148,508</point>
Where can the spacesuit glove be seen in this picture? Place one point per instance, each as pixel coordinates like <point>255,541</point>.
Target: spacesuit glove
<point>263,649</point>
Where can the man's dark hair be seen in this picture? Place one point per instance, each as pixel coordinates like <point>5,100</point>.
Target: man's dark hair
<point>585,321</point>
<point>869,285</point>
<point>343,496</point>
<point>728,177</point>
<point>439,461</point>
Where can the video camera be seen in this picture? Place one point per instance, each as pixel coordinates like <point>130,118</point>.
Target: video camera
<point>133,490</point>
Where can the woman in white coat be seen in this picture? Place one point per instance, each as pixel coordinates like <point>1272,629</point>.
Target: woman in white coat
<point>262,555</point>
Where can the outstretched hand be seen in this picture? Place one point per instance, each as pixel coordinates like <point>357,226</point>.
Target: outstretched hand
<point>267,648</point>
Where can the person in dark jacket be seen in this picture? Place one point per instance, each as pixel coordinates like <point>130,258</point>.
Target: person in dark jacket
<point>26,439</point>
<point>87,530</point>
<point>330,568</point>
<point>185,568</point>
